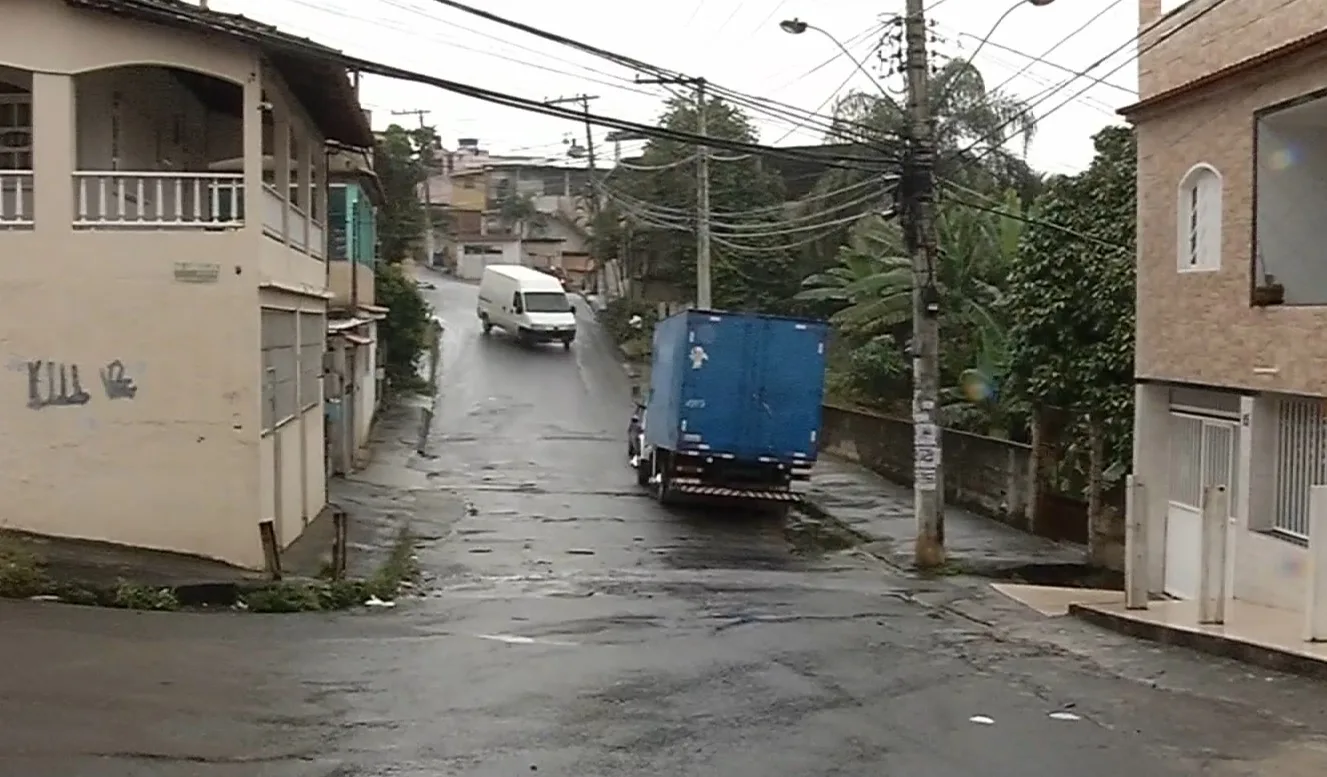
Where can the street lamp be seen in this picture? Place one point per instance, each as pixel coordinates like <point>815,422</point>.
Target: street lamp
<point>797,27</point>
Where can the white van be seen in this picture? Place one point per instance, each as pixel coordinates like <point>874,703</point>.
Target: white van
<point>526,303</point>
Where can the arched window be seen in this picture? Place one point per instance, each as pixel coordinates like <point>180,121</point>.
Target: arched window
<point>1199,220</point>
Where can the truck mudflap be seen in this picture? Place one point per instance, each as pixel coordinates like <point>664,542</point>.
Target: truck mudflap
<point>726,492</point>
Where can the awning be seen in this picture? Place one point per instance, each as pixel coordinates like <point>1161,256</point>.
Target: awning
<point>375,312</point>
<point>338,325</point>
<point>356,339</point>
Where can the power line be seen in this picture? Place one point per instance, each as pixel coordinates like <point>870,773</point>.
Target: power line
<point>626,61</point>
<point>1078,74</point>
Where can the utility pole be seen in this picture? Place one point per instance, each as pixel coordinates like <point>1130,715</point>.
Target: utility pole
<point>428,194</point>
<point>703,271</point>
<point>918,215</point>
<point>584,100</point>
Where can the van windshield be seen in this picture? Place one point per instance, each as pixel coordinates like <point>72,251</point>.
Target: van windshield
<point>546,302</point>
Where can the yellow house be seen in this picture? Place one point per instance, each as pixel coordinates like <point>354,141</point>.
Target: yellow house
<point>165,323</point>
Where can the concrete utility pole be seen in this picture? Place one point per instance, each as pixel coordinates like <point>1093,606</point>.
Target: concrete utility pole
<point>703,265</point>
<point>918,197</point>
<point>428,194</point>
<point>584,100</point>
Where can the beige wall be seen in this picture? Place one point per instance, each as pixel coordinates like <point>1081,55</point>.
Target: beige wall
<point>175,467</point>
<point>1199,327</point>
<point>182,464</point>
<point>339,284</point>
<point>55,38</point>
<point>1245,29</point>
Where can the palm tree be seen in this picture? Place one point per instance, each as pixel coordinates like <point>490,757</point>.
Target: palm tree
<point>969,122</point>
<point>869,290</point>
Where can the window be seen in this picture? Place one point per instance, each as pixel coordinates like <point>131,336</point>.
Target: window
<point>15,132</point>
<point>312,344</point>
<point>1301,442</point>
<point>1199,220</point>
<point>279,332</point>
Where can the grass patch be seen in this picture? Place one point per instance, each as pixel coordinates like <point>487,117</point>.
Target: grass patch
<point>22,576</point>
<point>398,569</point>
<point>21,573</point>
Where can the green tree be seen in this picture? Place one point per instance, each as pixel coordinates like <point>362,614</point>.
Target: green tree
<point>867,295</point>
<point>405,331</point>
<point>659,207</point>
<point>400,167</point>
<point>521,215</point>
<point>1070,300</point>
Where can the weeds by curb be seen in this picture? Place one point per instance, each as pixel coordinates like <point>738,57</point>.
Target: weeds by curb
<point>23,576</point>
<point>399,569</point>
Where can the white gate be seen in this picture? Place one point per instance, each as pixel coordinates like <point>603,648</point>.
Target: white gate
<point>1202,454</point>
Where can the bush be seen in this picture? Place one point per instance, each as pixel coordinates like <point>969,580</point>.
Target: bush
<point>405,331</point>
<point>618,313</point>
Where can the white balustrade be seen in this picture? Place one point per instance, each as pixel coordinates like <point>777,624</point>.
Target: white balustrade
<point>316,239</point>
<point>273,212</point>
<point>298,228</point>
<point>15,198</point>
<point>119,199</point>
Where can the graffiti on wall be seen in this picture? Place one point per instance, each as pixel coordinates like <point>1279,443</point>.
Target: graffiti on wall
<point>117,384</point>
<point>57,384</point>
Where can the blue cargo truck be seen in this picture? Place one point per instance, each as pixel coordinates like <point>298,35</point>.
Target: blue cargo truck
<point>733,410</point>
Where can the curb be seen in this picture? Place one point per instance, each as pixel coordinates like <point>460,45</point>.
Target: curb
<point>1267,657</point>
<point>956,566</point>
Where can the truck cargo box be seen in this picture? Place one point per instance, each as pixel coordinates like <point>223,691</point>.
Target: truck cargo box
<point>745,385</point>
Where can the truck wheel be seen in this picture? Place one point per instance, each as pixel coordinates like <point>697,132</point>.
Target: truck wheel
<point>643,468</point>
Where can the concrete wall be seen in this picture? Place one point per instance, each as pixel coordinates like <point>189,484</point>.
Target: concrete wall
<point>986,475</point>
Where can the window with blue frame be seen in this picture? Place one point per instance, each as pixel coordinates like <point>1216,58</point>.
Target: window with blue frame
<point>337,223</point>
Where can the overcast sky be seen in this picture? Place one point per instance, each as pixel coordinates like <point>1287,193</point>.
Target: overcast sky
<point>734,43</point>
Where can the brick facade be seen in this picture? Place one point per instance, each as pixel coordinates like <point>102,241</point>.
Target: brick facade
<point>1201,327</point>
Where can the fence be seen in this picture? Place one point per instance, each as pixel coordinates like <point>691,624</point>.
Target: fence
<point>987,475</point>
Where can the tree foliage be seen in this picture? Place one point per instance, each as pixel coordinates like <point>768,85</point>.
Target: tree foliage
<point>755,276</point>
<point>1070,297</point>
<point>405,331</point>
<point>401,169</point>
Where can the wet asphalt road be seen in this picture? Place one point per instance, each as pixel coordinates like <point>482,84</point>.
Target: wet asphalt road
<point>571,627</point>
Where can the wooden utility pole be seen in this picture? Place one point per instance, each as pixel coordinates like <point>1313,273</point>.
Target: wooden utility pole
<point>428,174</point>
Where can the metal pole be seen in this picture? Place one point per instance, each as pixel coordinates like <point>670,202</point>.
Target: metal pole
<point>703,298</point>
<point>918,180</point>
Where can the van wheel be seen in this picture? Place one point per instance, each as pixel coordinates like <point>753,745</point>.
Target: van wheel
<point>566,345</point>
<point>488,325</point>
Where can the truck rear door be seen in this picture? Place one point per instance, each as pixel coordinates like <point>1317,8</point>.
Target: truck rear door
<point>788,378</point>
<point>715,383</point>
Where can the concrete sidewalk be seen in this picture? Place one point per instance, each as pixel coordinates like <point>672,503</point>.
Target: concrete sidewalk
<point>882,511</point>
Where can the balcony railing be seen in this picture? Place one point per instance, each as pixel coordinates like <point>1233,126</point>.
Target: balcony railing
<point>105,199</point>
<point>15,198</point>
